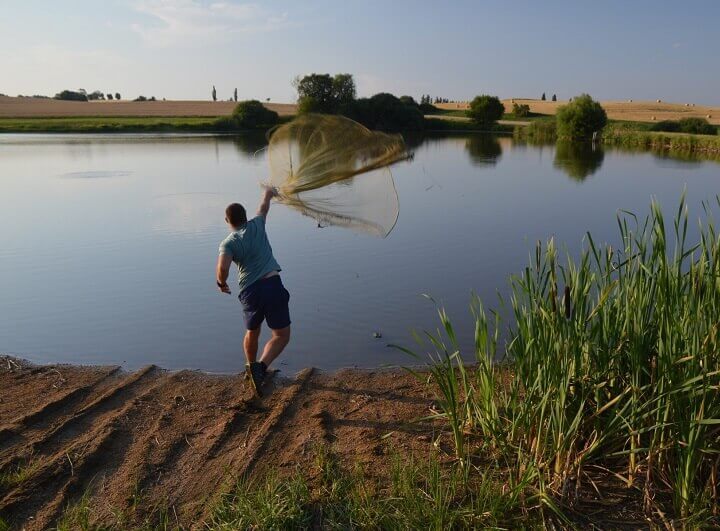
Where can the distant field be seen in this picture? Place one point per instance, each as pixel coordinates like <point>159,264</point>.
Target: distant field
<point>48,108</point>
<point>636,111</point>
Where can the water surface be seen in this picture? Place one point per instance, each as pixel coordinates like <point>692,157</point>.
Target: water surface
<point>108,243</point>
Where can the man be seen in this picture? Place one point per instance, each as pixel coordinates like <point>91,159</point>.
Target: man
<point>262,294</point>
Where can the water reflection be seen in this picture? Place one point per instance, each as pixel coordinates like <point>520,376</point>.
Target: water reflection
<point>578,160</point>
<point>250,143</point>
<point>484,150</point>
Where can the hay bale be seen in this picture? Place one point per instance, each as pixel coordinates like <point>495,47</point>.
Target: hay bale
<point>709,116</point>
<point>652,118</point>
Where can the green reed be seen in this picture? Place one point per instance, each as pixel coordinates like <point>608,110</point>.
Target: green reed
<point>615,366</point>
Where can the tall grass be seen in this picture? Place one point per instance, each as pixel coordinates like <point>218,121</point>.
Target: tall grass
<point>615,368</point>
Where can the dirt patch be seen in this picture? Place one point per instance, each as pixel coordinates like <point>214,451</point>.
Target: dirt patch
<point>49,108</point>
<point>136,442</point>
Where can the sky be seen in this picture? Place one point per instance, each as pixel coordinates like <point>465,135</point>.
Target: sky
<point>179,49</point>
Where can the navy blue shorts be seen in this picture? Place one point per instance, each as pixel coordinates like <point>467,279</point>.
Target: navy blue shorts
<point>266,299</point>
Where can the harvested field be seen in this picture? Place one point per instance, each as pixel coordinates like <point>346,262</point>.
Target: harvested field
<point>49,108</point>
<point>132,443</point>
<point>636,111</point>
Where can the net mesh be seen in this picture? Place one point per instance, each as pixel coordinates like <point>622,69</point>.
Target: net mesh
<point>336,171</point>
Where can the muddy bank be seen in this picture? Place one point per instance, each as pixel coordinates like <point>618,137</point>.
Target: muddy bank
<point>134,442</point>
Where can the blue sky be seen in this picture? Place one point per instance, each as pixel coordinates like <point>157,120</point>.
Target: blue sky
<point>456,49</point>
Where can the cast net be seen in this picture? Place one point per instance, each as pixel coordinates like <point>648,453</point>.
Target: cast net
<point>336,171</point>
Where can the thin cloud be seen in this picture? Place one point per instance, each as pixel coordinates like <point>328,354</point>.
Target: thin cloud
<point>176,22</point>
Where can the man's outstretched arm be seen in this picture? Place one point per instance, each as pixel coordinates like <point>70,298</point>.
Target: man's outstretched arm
<point>223,270</point>
<point>264,207</point>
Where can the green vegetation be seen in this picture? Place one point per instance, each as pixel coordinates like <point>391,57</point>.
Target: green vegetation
<point>251,114</point>
<point>71,95</point>
<point>324,93</point>
<point>695,126</point>
<point>521,110</point>
<point>632,136</point>
<point>614,388</point>
<point>107,124</point>
<point>580,119</point>
<point>485,110</point>
<point>385,112</point>
<point>418,495</point>
<point>17,476</point>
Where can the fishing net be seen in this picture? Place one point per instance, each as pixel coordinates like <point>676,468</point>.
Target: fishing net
<point>336,171</point>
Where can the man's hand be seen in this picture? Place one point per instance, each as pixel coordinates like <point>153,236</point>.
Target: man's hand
<point>224,288</point>
<point>222,271</point>
<point>264,208</point>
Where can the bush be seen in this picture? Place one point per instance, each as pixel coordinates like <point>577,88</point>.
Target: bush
<point>71,95</point>
<point>697,126</point>
<point>140,98</point>
<point>668,126</point>
<point>485,110</point>
<point>521,110</point>
<point>428,108</point>
<point>251,114</point>
<point>385,112</point>
<point>581,118</point>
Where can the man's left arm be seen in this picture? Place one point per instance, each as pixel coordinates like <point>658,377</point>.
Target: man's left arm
<point>223,270</point>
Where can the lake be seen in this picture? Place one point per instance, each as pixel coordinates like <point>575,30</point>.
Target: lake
<point>108,243</point>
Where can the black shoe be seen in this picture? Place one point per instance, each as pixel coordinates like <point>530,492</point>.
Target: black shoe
<point>257,375</point>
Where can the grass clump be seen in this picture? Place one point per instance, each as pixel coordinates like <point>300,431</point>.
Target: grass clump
<point>19,475</point>
<point>424,494</point>
<point>270,502</point>
<point>615,360</point>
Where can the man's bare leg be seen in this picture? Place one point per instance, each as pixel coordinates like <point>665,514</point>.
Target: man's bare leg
<point>279,340</point>
<point>250,344</point>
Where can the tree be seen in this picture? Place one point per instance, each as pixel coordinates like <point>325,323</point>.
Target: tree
<point>70,95</point>
<point>97,95</point>
<point>251,114</point>
<point>386,112</point>
<point>343,87</point>
<point>117,95</point>
<point>521,110</point>
<point>485,110</point>
<point>235,95</point>
<point>409,100</point>
<point>581,118</point>
<point>214,94</point>
<point>543,97</point>
<point>109,96</point>
<point>315,93</point>
<point>554,98</point>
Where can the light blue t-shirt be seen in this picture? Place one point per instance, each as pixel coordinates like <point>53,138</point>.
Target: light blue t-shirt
<point>251,251</point>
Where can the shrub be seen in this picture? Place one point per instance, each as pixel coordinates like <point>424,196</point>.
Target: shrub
<point>485,110</point>
<point>581,118</point>
<point>140,98</point>
<point>251,114</point>
<point>385,112</point>
<point>71,95</point>
<point>697,126</point>
<point>668,126</point>
<point>521,110</point>
<point>428,108</point>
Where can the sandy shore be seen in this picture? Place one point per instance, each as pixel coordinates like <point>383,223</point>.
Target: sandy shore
<point>177,439</point>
